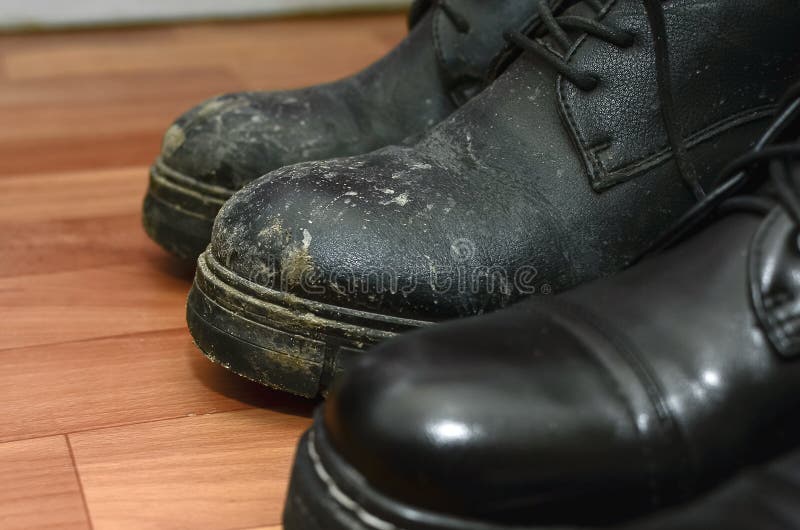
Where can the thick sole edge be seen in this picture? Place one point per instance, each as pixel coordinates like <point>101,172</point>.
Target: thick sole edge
<point>178,211</point>
<point>279,340</point>
<point>309,504</point>
<point>324,494</point>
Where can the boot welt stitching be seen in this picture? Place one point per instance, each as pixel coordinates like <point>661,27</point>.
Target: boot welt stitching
<point>601,177</point>
<point>341,498</point>
<point>661,155</point>
<point>627,353</point>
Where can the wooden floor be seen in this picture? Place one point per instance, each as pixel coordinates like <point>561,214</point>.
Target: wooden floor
<point>109,416</point>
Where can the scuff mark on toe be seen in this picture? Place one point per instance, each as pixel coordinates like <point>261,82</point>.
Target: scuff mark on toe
<point>173,140</point>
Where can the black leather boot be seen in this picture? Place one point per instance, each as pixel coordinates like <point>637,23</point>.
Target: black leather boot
<point>600,135</point>
<point>764,497</point>
<point>221,145</point>
<point>590,407</point>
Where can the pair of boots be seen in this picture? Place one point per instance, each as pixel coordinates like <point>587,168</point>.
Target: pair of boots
<point>581,137</point>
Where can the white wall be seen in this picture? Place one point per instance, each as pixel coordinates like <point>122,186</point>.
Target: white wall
<point>16,13</point>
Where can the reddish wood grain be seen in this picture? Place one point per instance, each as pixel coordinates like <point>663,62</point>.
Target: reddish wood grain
<point>97,368</point>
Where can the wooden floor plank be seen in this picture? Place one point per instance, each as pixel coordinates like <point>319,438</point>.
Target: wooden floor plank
<point>40,488</point>
<point>95,353</point>
<point>87,385</point>
<point>89,303</point>
<point>182,85</point>
<point>44,197</point>
<point>80,122</point>
<point>225,471</point>
<point>66,221</point>
<point>98,121</point>
<point>58,154</point>
<point>280,46</point>
<point>103,98</point>
<point>31,249</point>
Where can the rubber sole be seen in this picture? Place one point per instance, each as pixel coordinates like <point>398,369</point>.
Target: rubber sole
<point>325,493</point>
<point>179,211</point>
<point>277,339</point>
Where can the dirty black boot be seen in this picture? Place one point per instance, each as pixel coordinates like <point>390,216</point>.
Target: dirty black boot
<point>593,406</point>
<point>221,145</point>
<point>608,127</point>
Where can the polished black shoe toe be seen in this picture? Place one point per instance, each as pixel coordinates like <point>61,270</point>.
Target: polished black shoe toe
<point>509,420</point>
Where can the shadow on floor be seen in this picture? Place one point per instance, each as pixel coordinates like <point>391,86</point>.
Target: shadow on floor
<point>218,379</point>
<point>173,266</point>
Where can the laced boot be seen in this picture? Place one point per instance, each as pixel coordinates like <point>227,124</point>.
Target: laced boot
<point>611,124</point>
<point>221,145</point>
<point>590,407</point>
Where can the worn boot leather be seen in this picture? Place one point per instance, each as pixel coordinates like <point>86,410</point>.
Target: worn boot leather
<point>590,407</point>
<point>609,127</point>
<point>221,145</point>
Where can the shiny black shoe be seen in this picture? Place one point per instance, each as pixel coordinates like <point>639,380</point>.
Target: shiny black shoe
<point>608,128</point>
<point>600,404</point>
<point>221,145</point>
<point>764,497</point>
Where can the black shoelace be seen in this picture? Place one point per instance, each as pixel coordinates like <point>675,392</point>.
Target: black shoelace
<point>587,81</point>
<point>768,160</point>
<point>741,172</point>
<point>557,27</point>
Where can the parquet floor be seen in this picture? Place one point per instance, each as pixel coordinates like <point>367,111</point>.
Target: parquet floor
<point>109,417</point>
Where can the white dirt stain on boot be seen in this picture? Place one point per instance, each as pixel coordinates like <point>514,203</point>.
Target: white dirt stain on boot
<point>173,140</point>
<point>296,262</point>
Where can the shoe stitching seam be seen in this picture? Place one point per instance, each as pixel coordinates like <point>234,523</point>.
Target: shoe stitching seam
<point>628,353</point>
<point>601,178</point>
<point>566,107</point>
<point>644,445</point>
<point>340,497</point>
<point>661,155</point>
